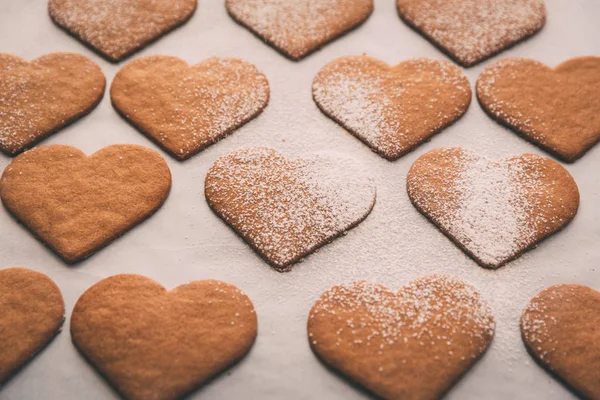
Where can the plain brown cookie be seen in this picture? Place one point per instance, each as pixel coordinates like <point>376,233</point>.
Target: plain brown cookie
<point>40,97</point>
<point>31,314</point>
<point>494,211</point>
<point>413,344</point>
<point>299,27</point>
<point>470,31</point>
<point>286,209</point>
<point>78,204</point>
<point>557,109</point>
<point>150,343</point>
<point>392,109</point>
<point>561,329</point>
<point>118,28</point>
<point>185,108</point>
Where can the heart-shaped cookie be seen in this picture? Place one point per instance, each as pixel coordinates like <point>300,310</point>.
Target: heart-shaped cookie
<point>31,314</point>
<point>297,28</point>
<point>118,28</point>
<point>557,109</point>
<point>150,343</point>
<point>392,109</point>
<point>185,108</point>
<point>285,209</point>
<point>472,30</point>
<point>561,329</point>
<point>40,97</point>
<point>412,344</point>
<point>494,211</point>
<point>78,204</point>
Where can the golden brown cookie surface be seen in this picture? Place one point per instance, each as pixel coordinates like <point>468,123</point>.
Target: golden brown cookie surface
<point>494,211</point>
<point>31,314</point>
<point>473,30</point>
<point>392,109</point>
<point>40,97</point>
<point>150,343</point>
<point>561,329</point>
<point>117,28</point>
<point>557,109</point>
<point>185,108</point>
<point>78,204</point>
<point>285,209</point>
<point>410,344</point>
<point>297,28</point>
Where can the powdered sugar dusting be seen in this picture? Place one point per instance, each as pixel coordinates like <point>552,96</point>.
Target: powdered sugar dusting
<point>379,104</point>
<point>284,208</point>
<point>41,96</point>
<point>186,108</point>
<point>489,208</point>
<point>432,311</point>
<point>472,30</point>
<point>298,27</point>
<point>118,27</point>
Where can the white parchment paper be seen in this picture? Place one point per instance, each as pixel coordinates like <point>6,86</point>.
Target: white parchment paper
<point>185,241</point>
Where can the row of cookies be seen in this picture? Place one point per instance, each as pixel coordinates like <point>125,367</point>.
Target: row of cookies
<point>152,343</point>
<point>286,208</point>
<point>185,108</point>
<point>468,30</point>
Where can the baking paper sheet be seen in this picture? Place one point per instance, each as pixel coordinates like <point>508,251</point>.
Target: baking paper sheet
<point>185,241</point>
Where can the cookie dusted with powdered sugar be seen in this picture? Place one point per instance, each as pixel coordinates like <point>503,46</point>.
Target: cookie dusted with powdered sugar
<point>186,108</point>
<point>560,327</point>
<point>286,209</point>
<point>40,97</point>
<point>411,344</point>
<point>557,109</point>
<point>118,28</point>
<point>392,109</point>
<point>299,27</point>
<point>472,30</point>
<point>493,210</point>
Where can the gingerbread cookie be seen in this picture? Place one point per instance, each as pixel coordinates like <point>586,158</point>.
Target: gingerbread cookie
<point>40,97</point>
<point>411,344</point>
<point>557,109</point>
<point>561,329</point>
<point>285,209</point>
<point>78,204</point>
<point>470,31</point>
<point>392,109</point>
<point>31,314</point>
<point>185,108</point>
<point>297,28</point>
<point>118,28</point>
<point>150,343</point>
<point>494,211</point>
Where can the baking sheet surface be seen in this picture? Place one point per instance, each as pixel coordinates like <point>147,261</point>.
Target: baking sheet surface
<point>185,241</point>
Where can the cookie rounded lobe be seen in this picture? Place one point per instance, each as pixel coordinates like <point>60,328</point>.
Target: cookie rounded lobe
<point>186,108</point>
<point>31,314</point>
<point>77,204</point>
<point>45,95</point>
<point>383,105</point>
<point>152,343</point>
